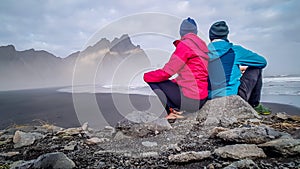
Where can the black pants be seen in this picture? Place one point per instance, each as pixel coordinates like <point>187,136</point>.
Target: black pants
<point>171,96</point>
<point>251,85</point>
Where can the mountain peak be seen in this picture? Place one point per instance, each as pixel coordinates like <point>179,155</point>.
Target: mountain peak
<point>8,48</point>
<point>122,44</point>
<point>102,44</point>
<point>7,52</point>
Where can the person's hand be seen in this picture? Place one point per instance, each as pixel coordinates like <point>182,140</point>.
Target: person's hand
<point>243,68</point>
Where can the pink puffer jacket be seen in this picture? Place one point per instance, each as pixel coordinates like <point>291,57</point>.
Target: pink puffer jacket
<point>189,61</point>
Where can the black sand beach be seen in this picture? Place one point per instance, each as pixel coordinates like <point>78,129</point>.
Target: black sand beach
<point>50,106</point>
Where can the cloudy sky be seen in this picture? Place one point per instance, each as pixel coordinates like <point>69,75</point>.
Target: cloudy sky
<point>269,27</point>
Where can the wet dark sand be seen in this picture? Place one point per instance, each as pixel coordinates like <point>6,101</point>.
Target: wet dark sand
<point>289,109</point>
<point>47,105</point>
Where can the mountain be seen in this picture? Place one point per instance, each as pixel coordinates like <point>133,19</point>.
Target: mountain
<point>101,63</point>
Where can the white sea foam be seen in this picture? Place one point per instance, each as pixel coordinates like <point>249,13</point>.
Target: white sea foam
<point>281,79</point>
<point>133,89</point>
<point>281,85</point>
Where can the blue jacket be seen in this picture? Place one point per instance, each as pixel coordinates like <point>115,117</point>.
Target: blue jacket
<point>224,71</point>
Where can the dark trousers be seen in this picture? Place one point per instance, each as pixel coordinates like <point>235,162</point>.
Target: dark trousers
<point>251,85</point>
<point>171,96</point>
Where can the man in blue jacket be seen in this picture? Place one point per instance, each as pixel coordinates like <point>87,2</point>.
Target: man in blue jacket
<point>225,75</point>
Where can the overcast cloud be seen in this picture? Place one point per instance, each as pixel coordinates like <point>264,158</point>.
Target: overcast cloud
<point>269,27</point>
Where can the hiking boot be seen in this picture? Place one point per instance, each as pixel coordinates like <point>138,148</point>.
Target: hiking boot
<point>262,110</point>
<point>175,110</point>
<point>174,114</point>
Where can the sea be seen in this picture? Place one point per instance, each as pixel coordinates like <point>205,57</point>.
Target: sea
<point>276,89</point>
<point>281,89</point>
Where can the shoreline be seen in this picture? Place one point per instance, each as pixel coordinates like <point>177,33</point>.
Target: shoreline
<point>38,106</point>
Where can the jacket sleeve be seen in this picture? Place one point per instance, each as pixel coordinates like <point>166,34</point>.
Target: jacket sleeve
<point>156,76</point>
<point>176,62</point>
<point>246,57</point>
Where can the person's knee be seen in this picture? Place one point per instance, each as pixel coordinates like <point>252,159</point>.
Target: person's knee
<point>153,86</point>
<point>254,71</point>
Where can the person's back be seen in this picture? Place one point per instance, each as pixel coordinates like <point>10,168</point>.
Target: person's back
<point>189,90</point>
<point>224,73</point>
<point>190,62</point>
<point>224,67</point>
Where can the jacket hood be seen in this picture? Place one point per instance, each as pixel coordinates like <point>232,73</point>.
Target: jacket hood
<point>218,49</point>
<point>200,43</point>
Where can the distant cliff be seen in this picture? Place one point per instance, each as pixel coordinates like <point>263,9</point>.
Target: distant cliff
<point>98,64</point>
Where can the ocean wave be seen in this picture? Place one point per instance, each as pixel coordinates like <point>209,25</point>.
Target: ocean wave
<point>281,85</point>
<point>133,89</point>
<point>281,79</point>
<point>124,87</point>
<point>267,91</point>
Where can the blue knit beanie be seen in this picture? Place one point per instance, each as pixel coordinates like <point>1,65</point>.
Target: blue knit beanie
<point>188,26</point>
<point>218,30</point>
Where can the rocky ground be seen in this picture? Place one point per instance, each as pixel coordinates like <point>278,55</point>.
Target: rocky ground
<point>225,133</point>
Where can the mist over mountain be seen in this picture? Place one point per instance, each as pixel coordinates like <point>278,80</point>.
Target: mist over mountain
<point>104,63</point>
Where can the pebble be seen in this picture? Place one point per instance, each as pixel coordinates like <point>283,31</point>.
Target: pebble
<point>149,144</point>
<point>9,154</point>
<point>282,115</point>
<point>70,131</point>
<point>173,147</point>
<point>120,136</point>
<point>70,146</point>
<point>5,142</point>
<point>96,140</point>
<point>210,166</point>
<point>25,139</point>
<point>110,128</point>
<point>67,137</point>
<point>48,128</point>
<point>254,121</point>
<point>55,138</point>
<point>101,164</point>
<point>85,126</point>
<point>189,156</point>
<point>149,154</point>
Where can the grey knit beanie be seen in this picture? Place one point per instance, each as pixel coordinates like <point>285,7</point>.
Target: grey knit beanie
<point>188,26</point>
<point>218,30</point>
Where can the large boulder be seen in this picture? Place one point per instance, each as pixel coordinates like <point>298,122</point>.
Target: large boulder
<point>251,135</point>
<point>54,160</point>
<point>240,151</point>
<point>142,123</point>
<point>225,111</point>
<point>285,146</point>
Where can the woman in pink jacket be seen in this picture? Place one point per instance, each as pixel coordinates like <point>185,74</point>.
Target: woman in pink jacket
<point>188,92</point>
